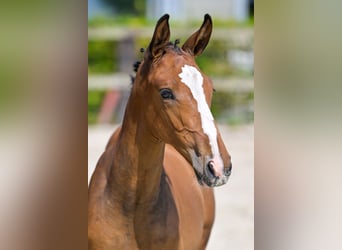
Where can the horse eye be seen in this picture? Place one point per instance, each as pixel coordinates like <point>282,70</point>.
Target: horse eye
<point>166,94</point>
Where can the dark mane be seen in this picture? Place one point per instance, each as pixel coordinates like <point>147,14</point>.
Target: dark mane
<point>170,45</point>
<point>174,46</point>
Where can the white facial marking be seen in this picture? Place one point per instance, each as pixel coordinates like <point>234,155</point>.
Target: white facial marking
<point>193,79</point>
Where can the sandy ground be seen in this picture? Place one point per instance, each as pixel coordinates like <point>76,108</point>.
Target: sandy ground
<point>234,223</point>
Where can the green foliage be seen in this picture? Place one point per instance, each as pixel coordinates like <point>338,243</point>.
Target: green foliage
<point>95,98</point>
<point>232,107</point>
<point>221,101</point>
<point>101,21</point>
<point>134,20</point>
<point>119,20</point>
<point>136,7</point>
<point>214,59</point>
<point>101,57</point>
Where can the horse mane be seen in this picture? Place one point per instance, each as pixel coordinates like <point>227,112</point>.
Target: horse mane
<point>170,45</point>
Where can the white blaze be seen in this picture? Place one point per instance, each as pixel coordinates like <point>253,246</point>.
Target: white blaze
<point>192,78</point>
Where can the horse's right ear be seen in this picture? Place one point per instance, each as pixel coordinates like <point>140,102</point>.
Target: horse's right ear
<point>197,42</point>
<point>161,36</point>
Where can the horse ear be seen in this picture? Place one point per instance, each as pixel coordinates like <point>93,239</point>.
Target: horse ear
<point>161,36</point>
<point>197,42</point>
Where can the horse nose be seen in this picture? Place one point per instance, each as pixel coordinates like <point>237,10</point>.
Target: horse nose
<point>215,168</point>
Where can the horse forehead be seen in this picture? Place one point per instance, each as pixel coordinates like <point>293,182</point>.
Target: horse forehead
<point>170,69</point>
<point>192,78</point>
<point>175,61</point>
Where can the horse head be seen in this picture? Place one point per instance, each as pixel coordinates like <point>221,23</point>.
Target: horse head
<point>176,96</point>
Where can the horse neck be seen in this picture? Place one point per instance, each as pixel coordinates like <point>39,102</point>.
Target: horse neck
<point>138,160</point>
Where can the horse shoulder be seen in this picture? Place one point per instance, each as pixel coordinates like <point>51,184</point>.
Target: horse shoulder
<point>107,228</point>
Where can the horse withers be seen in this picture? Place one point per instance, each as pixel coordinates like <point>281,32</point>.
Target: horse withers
<point>152,187</point>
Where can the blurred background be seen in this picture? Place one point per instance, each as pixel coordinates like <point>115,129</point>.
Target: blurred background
<point>118,29</point>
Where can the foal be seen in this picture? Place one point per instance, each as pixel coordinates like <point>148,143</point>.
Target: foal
<point>152,187</point>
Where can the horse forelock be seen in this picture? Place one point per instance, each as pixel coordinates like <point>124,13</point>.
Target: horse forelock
<point>173,46</point>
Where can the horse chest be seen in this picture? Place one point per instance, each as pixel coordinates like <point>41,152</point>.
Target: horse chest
<point>156,226</point>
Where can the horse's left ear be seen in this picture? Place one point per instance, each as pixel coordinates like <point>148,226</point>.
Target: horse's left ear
<point>197,42</point>
<point>161,36</point>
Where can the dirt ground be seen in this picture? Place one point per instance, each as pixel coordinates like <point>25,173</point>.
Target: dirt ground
<point>234,223</point>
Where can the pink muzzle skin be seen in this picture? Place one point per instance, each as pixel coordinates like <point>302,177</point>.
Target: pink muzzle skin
<point>216,166</point>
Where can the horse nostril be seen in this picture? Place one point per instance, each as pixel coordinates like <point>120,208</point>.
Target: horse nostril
<point>211,168</point>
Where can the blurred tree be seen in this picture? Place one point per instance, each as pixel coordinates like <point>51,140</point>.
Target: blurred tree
<point>135,7</point>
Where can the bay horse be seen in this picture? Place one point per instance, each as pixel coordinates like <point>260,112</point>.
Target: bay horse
<point>152,187</point>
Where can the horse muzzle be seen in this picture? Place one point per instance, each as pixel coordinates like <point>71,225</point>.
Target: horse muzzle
<point>211,171</point>
<point>213,176</point>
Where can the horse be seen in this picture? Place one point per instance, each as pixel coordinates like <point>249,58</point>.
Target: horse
<point>153,185</point>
